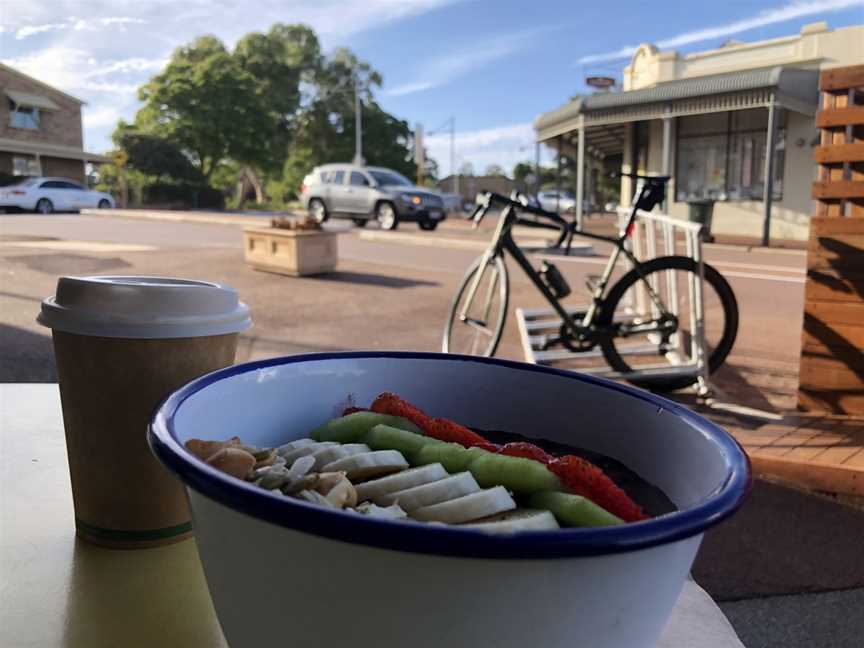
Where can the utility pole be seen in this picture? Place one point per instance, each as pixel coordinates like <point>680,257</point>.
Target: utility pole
<point>358,122</point>
<point>419,153</point>
<point>453,155</point>
<point>451,123</point>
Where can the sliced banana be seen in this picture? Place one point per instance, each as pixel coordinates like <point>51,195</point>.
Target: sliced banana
<point>468,507</point>
<point>378,488</point>
<point>293,455</point>
<point>330,454</point>
<point>285,448</point>
<point>513,521</point>
<point>369,464</point>
<point>438,491</point>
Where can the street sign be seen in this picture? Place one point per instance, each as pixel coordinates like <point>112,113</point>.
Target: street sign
<point>600,82</point>
<point>120,158</point>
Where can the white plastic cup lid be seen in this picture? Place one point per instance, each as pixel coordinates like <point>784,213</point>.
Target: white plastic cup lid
<point>144,307</point>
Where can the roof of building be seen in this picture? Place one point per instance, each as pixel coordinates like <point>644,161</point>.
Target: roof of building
<point>796,85</point>
<point>41,83</point>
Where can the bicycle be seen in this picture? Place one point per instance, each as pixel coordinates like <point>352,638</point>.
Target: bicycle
<point>628,334</point>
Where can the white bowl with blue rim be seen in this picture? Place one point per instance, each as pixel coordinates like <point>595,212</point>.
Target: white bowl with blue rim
<point>285,571</point>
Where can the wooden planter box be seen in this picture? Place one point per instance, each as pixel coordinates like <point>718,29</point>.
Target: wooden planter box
<point>290,252</point>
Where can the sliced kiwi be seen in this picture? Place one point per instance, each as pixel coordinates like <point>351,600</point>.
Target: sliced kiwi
<point>454,457</point>
<point>573,510</point>
<point>353,427</point>
<point>520,475</point>
<point>384,437</point>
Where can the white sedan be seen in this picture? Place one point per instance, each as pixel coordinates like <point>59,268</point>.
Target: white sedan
<point>48,195</point>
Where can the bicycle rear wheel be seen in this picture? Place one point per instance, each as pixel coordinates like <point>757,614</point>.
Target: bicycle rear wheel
<point>672,278</point>
<point>479,331</point>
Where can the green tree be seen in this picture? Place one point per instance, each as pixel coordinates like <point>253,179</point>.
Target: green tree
<point>494,170</point>
<point>279,62</point>
<point>156,156</point>
<point>524,174</point>
<point>207,104</point>
<point>324,129</point>
<point>261,116</point>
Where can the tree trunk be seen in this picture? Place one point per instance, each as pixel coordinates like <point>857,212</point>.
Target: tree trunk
<point>248,178</point>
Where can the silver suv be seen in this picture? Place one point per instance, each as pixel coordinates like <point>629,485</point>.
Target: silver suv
<point>364,193</point>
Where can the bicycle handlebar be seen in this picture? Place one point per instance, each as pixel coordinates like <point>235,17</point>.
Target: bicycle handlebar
<point>636,176</point>
<point>490,197</point>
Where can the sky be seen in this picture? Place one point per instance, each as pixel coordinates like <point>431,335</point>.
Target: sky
<point>492,66</point>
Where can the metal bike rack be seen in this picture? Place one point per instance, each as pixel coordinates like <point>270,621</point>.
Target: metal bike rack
<point>653,235</point>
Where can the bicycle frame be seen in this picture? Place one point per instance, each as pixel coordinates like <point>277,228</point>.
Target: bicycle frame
<point>502,241</point>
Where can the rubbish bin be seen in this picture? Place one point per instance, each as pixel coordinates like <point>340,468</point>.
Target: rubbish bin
<point>701,211</point>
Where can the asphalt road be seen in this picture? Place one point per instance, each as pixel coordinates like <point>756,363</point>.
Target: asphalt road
<point>768,284</point>
<point>785,569</point>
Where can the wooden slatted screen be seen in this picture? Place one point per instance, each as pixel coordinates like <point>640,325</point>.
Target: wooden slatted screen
<point>832,344</point>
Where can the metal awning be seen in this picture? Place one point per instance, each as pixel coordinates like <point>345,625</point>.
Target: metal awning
<point>796,89</point>
<point>26,100</point>
<point>50,150</point>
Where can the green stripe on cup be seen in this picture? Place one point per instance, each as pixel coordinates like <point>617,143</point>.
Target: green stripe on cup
<point>133,536</point>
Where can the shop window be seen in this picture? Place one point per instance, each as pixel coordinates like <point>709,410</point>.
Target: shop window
<point>23,116</point>
<point>721,156</point>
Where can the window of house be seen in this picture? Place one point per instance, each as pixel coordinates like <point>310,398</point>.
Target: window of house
<point>25,166</point>
<point>23,116</point>
<point>721,156</point>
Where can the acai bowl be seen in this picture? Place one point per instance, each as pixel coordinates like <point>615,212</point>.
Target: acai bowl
<point>283,569</point>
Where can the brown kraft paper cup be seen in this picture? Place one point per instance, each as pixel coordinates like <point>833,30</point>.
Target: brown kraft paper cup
<point>109,388</point>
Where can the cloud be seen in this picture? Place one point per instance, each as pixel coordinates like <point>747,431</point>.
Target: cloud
<point>443,69</point>
<point>767,17</point>
<point>130,65</point>
<point>76,24</point>
<point>227,19</point>
<point>61,66</point>
<point>106,117</point>
<point>502,145</point>
<point>115,88</point>
<point>32,30</point>
<point>105,54</point>
<point>409,88</point>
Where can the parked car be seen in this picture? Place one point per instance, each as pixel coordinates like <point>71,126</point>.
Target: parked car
<point>364,193</point>
<point>557,201</point>
<point>48,195</point>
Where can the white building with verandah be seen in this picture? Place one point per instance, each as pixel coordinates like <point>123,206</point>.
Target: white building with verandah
<point>707,119</point>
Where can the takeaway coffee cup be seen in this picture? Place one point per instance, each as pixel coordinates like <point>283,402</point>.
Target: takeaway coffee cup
<point>122,344</point>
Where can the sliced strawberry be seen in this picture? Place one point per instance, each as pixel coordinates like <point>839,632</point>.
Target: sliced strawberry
<point>584,478</point>
<point>439,428</point>
<point>388,403</point>
<point>446,430</point>
<point>527,451</point>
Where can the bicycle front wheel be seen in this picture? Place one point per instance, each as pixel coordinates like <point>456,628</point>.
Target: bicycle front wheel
<point>474,327</point>
<point>629,307</point>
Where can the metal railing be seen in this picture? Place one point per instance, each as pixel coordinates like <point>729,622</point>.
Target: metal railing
<point>653,235</point>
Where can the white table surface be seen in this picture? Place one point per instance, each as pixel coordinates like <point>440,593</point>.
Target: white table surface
<point>58,591</point>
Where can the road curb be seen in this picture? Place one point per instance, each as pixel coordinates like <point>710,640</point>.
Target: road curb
<point>178,217</point>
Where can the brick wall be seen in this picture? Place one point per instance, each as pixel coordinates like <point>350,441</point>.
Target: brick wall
<point>61,127</point>
<point>63,167</point>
